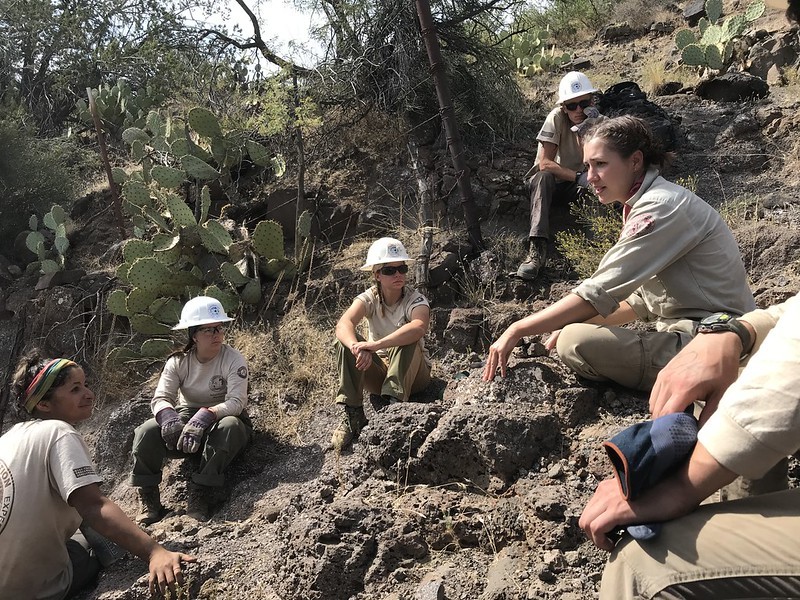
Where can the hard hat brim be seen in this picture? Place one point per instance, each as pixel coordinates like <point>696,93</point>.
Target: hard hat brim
<point>200,322</point>
<point>370,267</point>
<point>569,97</point>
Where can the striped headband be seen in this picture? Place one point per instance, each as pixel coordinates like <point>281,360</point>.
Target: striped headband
<point>44,380</point>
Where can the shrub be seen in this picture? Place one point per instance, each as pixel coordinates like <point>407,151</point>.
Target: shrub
<point>35,175</point>
<point>584,249</point>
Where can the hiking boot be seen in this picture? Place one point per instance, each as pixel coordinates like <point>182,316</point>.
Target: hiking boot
<point>150,508</point>
<point>379,402</point>
<point>537,257</point>
<point>353,420</point>
<point>203,501</point>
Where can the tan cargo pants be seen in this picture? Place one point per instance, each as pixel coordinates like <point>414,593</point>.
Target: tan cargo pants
<point>747,548</point>
<point>625,356</point>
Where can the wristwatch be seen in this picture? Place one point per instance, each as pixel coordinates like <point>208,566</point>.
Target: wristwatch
<point>722,321</point>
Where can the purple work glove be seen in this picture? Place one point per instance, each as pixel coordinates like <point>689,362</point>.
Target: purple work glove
<point>189,441</point>
<point>171,426</point>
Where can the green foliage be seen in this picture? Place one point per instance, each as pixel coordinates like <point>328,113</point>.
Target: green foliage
<point>48,260</point>
<point>121,108</point>
<point>533,56</point>
<point>34,175</point>
<point>564,18</point>
<point>585,249</point>
<point>713,45</point>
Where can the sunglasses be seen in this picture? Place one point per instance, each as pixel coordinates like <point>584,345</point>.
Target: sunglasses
<point>574,105</point>
<point>389,271</point>
<point>212,330</point>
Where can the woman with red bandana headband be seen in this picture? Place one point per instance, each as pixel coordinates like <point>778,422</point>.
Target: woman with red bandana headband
<point>675,263</point>
<point>49,487</point>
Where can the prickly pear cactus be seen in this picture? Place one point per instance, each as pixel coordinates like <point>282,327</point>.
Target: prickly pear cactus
<point>268,240</point>
<point>713,10</point>
<point>157,348</point>
<point>182,215</point>
<point>116,305</point>
<point>204,122</point>
<point>147,325</point>
<point>167,176</point>
<point>197,168</point>
<point>148,274</point>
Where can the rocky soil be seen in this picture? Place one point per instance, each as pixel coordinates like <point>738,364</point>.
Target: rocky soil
<point>473,490</point>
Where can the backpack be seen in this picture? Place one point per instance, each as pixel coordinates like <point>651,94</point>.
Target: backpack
<point>626,98</point>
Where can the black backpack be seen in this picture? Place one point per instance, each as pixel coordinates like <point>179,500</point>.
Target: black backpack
<point>626,98</point>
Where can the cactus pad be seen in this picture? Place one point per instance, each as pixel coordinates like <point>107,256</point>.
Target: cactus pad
<point>136,193</point>
<point>713,10</point>
<point>754,10</point>
<point>180,147</point>
<point>167,176</point>
<point>56,216</point>
<point>121,356</point>
<point>134,249</point>
<point>733,27</point>
<point>198,168</point>
<point>139,300</point>
<point>204,122</point>
<point>215,237</point>
<point>157,348</point>
<point>34,241</point>
<point>251,294</point>
<point>119,175</point>
<point>166,310</point>
<point>165,241</point>
<point>148,274</point>
<point>684,37</point>
<point>148,325</point>
<point>258,153</point>
<point>134,134</point>
<point>304,224</point>
<point>115,303</point>
<point>714,57</point>
<point>156,124</point>
<point>233,275</point>
<point>693,55</point>
<point>122,271</point>
<point>182,215</point>
<point>48,266</point>
<point>267,240</point>
<point>712,35</point>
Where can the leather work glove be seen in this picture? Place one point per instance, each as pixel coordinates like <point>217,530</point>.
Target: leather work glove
<point>189,441</point>
<point>171,426</point>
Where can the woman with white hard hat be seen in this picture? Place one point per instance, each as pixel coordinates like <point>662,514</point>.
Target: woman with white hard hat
<point>392,362</point>
<point>559,166</point>
<point>198,406</point>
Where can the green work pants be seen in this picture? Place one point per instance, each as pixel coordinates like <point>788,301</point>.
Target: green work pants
<point>404,372</point>
<point>221,443</point>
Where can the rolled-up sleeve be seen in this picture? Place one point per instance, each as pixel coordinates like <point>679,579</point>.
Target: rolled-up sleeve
<point>666,235</point>
<point>757,422</point>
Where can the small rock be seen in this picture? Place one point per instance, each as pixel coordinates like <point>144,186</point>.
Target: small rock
<point>433,590</point>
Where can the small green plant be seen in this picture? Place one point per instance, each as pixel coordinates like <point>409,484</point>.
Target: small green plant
<point>739,210</point>
<point>585,250</point>
<point>712,46</point>
<point>49,260</point>
<point>533,56</point>
<point>689,182</point>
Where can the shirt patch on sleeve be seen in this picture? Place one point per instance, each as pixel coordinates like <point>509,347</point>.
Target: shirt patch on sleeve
<point>638,226</point>
<point>242,372</point>
<point>546,134</point>
<point>417,300</point>
<point>83,472</point>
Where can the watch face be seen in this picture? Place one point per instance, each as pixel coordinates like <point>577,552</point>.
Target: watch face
<point>716,318</point>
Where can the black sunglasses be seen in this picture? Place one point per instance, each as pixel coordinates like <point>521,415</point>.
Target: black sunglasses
<point>575,105</point>
<point>389,271</point>
<point>212,330</point>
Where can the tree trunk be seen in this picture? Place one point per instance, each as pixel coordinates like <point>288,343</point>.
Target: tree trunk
<point>425,180</point>
<point>454,142</point>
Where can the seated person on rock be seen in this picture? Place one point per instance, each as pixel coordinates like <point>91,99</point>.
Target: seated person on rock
<point>676,263</point>
<point>198,406</point>
<point>746,548</point>
<point>559,166</point>
<point>49,488</point>
<point>392,362</point>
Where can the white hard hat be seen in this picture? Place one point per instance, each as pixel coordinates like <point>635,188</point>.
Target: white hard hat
<point>572,85</point>
<point>201,311</point>
<point>385,250</point>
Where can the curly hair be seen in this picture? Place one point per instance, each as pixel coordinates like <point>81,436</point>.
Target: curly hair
<point>27,368</point>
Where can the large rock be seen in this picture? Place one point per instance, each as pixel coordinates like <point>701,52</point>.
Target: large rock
<point>733,87</point>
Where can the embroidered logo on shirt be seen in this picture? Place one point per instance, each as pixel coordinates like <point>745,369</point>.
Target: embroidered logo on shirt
<point>638,226</point>
<point>418,300</point>
<point>216,384</point>
<point>6,494</point>
<point>242,372</point>
<point>82,472</point>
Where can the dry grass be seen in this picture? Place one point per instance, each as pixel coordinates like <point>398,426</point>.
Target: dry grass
<point>292,369</point>
<point>737,211</point>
